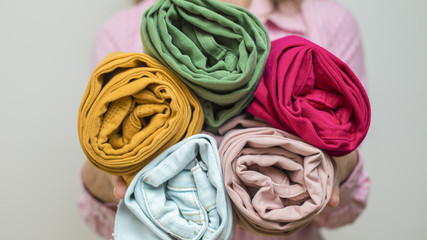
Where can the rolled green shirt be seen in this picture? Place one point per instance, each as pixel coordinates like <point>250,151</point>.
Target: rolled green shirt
<point>216,49</point>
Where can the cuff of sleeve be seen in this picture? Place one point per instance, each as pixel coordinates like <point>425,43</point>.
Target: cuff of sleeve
<point>98,216</point>
<point>353,197</point>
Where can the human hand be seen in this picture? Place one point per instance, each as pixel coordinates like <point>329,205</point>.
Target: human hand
<point>105,187</point>
<point>345,166</point>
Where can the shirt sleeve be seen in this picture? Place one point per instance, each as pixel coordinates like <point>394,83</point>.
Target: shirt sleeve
<point>104,44</point>
<point>344,40</point>
<point>98,216</point>
<point>353,197</point>
<point>120,33</point>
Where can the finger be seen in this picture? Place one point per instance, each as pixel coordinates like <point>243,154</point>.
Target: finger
<point>335,197</point>
<point>119,187</point>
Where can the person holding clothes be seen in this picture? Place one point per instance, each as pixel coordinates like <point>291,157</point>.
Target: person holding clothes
<point>323,22</point>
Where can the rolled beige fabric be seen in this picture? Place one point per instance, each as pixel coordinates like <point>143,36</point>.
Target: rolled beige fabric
<point>276,182</point>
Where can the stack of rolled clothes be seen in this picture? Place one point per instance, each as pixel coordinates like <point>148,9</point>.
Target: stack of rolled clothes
<point>268,170</point>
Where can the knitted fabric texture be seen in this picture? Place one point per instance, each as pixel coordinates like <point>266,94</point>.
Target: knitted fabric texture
<point>218,50</point>
<point>309,92</point>
<point>133,109</point>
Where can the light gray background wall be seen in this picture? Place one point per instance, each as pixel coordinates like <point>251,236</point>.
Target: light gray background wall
<point>45,63</point>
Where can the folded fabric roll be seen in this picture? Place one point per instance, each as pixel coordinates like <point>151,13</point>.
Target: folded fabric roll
<point>179,195</point>
<point>309,92</point>
<point>218,50</point>
<point>277,183</point>
<point>133,109</point>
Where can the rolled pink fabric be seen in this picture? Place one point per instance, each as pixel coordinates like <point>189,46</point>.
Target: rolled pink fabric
<point>309,92</point>
<point>276,182</point>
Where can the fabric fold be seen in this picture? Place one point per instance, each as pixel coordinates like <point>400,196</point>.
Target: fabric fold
<point>218,50</point>
<point>277,183</point>
<point>179,195</point>
<point>309,92</point>
<point>133,109</point>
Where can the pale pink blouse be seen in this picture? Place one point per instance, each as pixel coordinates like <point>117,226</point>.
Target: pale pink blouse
<point>321,21</point>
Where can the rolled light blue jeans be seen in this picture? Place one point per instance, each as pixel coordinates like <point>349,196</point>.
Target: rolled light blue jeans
<point>179,195</point>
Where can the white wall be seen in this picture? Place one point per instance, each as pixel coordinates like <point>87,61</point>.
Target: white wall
<point>45,61</point>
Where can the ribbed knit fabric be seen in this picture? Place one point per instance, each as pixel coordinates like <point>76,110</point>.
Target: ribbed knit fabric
<point>276,182</point>
<point>133,109</point>
<point>216,49</point>
<point>309,92</point>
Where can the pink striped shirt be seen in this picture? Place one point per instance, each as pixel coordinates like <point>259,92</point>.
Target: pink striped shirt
<point>321,21</point>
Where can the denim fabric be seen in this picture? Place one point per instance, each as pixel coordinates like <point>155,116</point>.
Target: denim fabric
<point>180,194</point>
